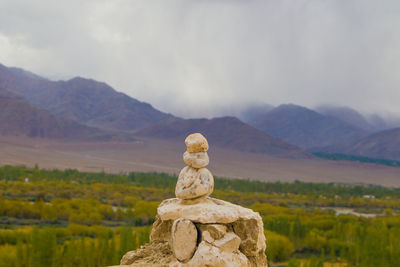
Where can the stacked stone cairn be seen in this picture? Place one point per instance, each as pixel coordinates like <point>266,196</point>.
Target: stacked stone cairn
<point>195,230</point>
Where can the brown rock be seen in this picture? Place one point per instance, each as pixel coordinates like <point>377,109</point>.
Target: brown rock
<point>206,236</point>
<point>216,231</point>
<point>229,243</point>
<point>153,254</point>
<point>251,232</point>
<point>184,239</point>
<point>259,260</point>
<point>161,230</point>
<point>196,143</point>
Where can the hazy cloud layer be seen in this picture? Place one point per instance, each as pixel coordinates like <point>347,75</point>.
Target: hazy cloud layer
<point>201,58</point>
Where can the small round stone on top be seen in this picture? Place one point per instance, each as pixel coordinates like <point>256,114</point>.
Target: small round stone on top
<point>196,143</point>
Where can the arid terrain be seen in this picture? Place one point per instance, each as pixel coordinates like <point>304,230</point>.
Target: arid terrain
<point>166,156</point>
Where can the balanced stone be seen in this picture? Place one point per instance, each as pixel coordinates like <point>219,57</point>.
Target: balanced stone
<point>196,160</point>
<point>196,143</point>
<point>194,183</point>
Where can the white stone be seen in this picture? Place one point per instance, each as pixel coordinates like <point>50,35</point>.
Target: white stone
<point>196,160</point>
<point>184,239</point>
<point>196,143</point>
<point>194,183</point>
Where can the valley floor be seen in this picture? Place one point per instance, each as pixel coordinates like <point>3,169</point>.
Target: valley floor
<point>162,156</point>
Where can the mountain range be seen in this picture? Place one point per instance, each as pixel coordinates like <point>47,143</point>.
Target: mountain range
<point>82,100</point>
<point>85,109</point>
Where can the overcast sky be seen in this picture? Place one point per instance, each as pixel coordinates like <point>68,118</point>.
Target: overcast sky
<point>206,57</point>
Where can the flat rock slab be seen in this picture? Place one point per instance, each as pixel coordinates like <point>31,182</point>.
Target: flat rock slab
<point>210,210</point>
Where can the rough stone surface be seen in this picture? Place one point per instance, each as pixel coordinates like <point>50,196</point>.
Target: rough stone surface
<point>229,243</point>
<point>196,160</point>
<point>251,232</point>
<point>259,260</point>
<point>208,255</point>
<point>216,231</point>
<point>196,143</point>
<point>153,254</point>
<point>206,236</point>
<point>194,183</point>
<point>161,230</point>
<point>184,239</point>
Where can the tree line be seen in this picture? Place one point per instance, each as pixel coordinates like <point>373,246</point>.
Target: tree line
<point>71,218</point>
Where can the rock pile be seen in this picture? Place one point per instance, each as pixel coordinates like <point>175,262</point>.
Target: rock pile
<point>195,230</point>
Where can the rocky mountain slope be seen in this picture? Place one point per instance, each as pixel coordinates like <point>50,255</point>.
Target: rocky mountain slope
<point>384,144</point>
<point>19,118</point>
<point>347,115</point>
<point>306,128</point>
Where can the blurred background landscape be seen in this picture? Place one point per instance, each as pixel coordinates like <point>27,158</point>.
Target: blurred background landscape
<point>298,101</point>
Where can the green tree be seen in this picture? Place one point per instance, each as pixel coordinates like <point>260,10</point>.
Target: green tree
<point>279,247</point>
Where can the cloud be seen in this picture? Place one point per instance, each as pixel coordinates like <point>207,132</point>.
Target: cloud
<point>201,58</point>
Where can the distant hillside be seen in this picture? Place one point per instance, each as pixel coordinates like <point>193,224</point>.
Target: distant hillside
<point>370,123</point>
<point>83,100</point>
<point>385,145</point>
<point>348,115</point>
<point>306,128</point>
<point>252,112</point>
<point>8,93</point>
<point>225,132</point>
<point>18,118</point>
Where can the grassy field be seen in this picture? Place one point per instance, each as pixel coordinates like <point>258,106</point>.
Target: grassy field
<point>72,218</point>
